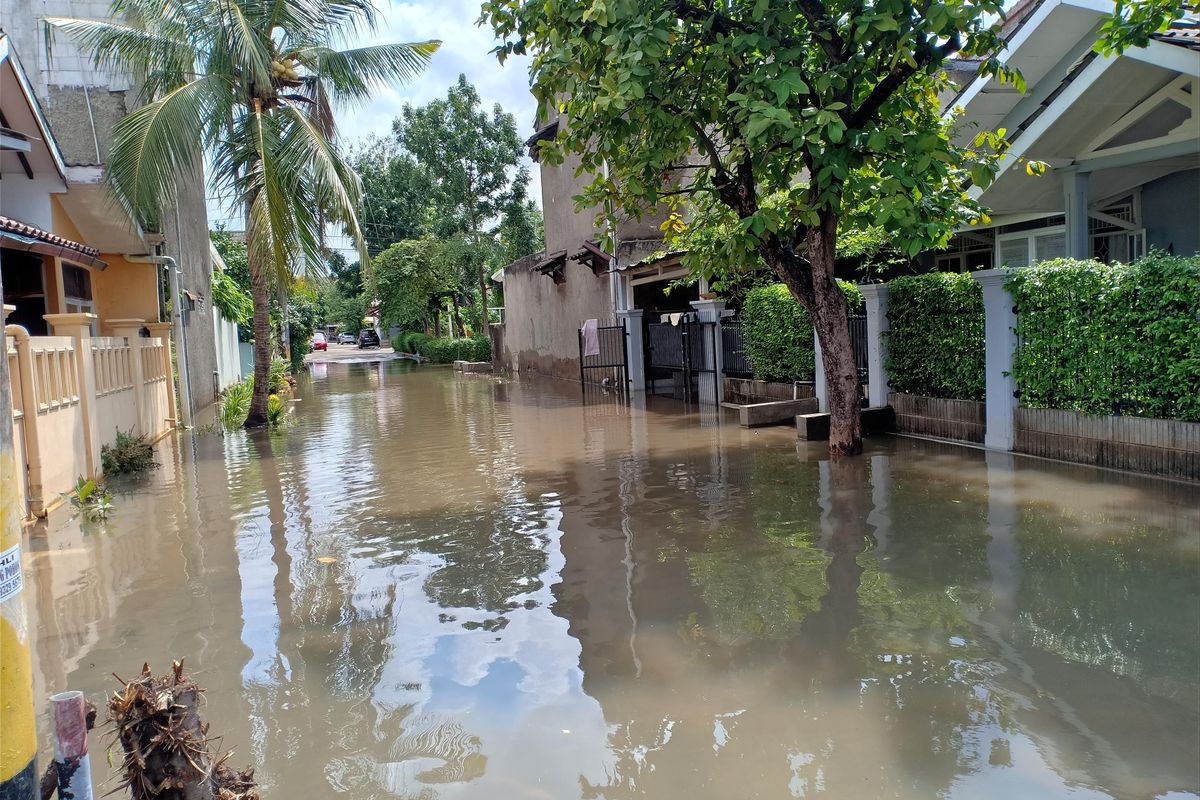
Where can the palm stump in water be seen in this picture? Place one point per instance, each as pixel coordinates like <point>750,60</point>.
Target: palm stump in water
<point>168,753</point>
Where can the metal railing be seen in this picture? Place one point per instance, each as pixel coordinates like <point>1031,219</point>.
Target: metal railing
<point>735,361</point>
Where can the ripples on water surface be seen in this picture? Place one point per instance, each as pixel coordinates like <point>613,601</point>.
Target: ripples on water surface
<point>440,587</point>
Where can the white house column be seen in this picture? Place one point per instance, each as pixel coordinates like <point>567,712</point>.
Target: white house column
<point>1075,206</point>
<point>819,377</point>
<point>711,383</point>
<point>635,349</point>
<point>876,295</point>
<point>1000,342</point>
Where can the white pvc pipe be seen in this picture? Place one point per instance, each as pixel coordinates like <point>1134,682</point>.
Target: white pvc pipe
<point>69,713</point>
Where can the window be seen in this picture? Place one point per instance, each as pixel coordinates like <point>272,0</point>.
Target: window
<point>1028,247</point>
<point>77,290</point>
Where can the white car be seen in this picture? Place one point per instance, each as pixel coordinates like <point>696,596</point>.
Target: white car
<point>347,338</point>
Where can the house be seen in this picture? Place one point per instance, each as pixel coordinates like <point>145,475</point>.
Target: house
<point>81,104</point>
<point>1120,133</point>
<point>1121,136</point>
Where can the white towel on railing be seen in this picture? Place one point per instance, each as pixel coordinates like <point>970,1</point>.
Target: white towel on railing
<point>591,338</point>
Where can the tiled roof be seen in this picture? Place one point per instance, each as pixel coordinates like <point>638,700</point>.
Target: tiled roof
<point>14,226</point>
<point>1185,33</point>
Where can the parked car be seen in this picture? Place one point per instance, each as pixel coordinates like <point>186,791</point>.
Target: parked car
<point>319,342</point>
<point>367,337</point>
<point>347,338</point>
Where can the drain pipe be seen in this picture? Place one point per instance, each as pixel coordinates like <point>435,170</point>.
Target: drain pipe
<point>185,385</point>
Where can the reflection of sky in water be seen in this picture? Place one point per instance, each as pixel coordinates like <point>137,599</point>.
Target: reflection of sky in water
<point>523,598</point>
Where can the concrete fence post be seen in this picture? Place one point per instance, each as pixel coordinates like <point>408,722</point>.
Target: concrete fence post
<point>876,295</point>
<point>819,376</point>
<point>710,311</point>
<point>79,327</point>
<point>162,330</point>
<point>131,331</point>
<point>635,348</point>
<point>1000,343</point>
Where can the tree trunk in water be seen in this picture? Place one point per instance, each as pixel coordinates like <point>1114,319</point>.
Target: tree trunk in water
<point>817,290</point>
<point>260,291</point>
<point>831,321</point>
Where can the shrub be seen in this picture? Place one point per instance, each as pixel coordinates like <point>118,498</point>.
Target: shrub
<point>446,350</point>
<point>235,403</point>
<point>276,408</point>
<point>779,333</point>
<point>280,375</point>
<point>129,454</point>
<point>935,335</point>
<point>1110,339</point>
<point>409,342</point>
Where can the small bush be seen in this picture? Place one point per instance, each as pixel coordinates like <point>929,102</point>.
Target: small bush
<point>446,350</point>
<point>779,333</point>
<point>90,499</point>
<point>235,403</point>
<point>1110,339</point>
<point>128,455</point>
<point>276,409</point>
<point>409,342</point>
<point>281,376</point>
<point>935,335</point>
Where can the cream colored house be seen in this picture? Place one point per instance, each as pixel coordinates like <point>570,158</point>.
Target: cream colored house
<point>88,354</point>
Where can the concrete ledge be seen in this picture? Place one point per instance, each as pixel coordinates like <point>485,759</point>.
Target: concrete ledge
<point>472,366</point>
<point>875,421</point>
<point>756,415</point>
<point>749,391</point>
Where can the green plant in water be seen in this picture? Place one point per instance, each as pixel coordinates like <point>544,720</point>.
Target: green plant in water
<point>235,403</point>
<point>280,375</point>
<point>276,408</point>
<point>89,499</point>
<point>130,454</point>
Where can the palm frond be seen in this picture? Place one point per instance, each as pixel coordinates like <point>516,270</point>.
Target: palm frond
<point>161,142</point>
<point>332,182</point>
<point>245,45</point>
<point>167,61</point>
<point>354,74</point>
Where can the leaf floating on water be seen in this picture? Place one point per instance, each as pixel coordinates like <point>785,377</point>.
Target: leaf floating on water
<point>326,559</point>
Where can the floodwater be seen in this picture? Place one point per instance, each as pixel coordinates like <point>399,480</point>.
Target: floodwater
<point>440,586</point>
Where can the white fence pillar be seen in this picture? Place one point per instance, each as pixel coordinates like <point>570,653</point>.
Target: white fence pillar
<point>1000,342</point>
<point>131,331</point>
<point>635,349</point>
<point>710,311</point>
<point>80,328</point>
<point>876,295</point>
<point>819,377</point>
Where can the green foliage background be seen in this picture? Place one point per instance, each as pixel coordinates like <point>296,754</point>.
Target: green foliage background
<point>779,333</point>
<point>935,335</point>
<point>445,349</point>
<point>1107,339</point>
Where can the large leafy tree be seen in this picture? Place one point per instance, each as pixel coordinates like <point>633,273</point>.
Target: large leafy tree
<point>471,159</point>
<point>396,193</point>
<point>794,118</point>
<point>250,85</point>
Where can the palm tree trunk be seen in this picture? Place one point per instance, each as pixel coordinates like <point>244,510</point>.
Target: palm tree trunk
<point>260,292</point>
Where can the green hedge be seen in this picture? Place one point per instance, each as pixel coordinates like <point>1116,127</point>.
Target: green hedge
<point>410,341</point>
<point>1107,339</point>
<point>935,335</point>
<point>446,350</point>
<point>779,334</point>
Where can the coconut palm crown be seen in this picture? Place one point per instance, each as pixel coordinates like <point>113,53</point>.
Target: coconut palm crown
<point>248,86</point>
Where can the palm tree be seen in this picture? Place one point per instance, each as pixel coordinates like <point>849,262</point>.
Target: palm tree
<point>249,86</point>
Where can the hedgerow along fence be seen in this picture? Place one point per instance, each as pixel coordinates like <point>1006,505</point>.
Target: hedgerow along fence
<point>778,334</point>
<point>1110,339</point>
<point>935,338</point>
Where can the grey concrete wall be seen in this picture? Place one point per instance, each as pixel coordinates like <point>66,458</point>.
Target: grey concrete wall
<point>188,245</point>
<point>542,319</point>
<point>1171,211</point>
<point>944,418</point>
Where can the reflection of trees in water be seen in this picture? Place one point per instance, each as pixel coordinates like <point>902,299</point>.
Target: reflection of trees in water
<point>1125,604</point>
<point>493,558</point>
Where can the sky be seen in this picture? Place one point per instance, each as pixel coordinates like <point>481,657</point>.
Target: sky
<point>465,50</point>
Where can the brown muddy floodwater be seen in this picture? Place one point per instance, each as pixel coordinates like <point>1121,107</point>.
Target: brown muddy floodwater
<point>432,586</point>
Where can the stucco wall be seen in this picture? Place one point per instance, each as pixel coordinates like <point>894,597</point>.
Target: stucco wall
<point>542,319</point>
<point>125,290</point>
<point>1171,212</point>
<point>188,244</point>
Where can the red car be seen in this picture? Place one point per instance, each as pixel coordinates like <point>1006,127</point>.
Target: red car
<point>318,342</point>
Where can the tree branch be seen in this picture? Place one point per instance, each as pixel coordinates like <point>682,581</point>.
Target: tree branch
<point>823,30</point>
<point>887,87</point>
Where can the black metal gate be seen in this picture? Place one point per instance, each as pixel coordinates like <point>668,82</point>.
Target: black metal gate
<point>609,368</point>
<point>858,344</point>
<point>676,357</point>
